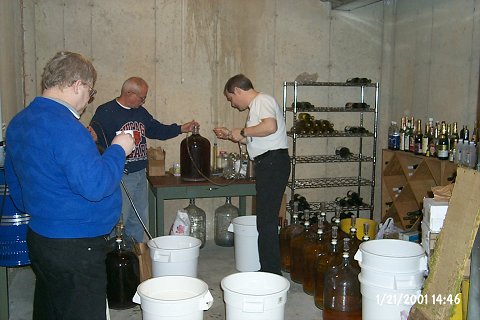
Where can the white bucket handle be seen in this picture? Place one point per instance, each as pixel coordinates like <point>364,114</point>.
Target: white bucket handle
<point>136,298</point>
<point>253,306</point>
<point>358,255</point>
<point>206,302</point>
<point>162,256</point>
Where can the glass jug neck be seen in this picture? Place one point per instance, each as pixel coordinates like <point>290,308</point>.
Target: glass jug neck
<point>195,130</point>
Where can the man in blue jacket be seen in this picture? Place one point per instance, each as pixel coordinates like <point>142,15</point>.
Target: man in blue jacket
<point>126,112</point>
<point>72,193</point>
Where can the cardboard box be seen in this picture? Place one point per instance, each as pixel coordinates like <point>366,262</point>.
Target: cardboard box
<point>434,213</point>
<point>156,162</point>
<point>428,239</point>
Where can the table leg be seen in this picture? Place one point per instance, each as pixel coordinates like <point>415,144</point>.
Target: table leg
<point>3,293</point>
<point>152,212</point>
<point>242,205</point>
<point>160,215</point>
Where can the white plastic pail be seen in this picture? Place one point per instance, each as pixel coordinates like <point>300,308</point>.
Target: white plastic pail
<point>255,296</point>
<point>394,281</point>
<point>174,255</point>
<point>391,255</point>
<point>173,297</point>
<point>245,243</point>
<point>391,277</point>
<point>385,304</point>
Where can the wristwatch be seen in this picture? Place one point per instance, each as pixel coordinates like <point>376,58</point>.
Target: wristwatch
<point>242,133</point>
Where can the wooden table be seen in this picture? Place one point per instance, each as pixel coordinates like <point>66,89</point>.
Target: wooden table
<point>169,187</point>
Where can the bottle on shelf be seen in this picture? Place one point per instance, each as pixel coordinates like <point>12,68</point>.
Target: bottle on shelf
<point>411,142</point>
<point>311,251</point>
<point>223,217</point>
<point>432,145</point>
<point>418,138</point>
<point>465,133</point>
<point>342,296</point>
<point>474,154</point>
<point>198,226</point>
<point>286,235</point>
<point>425,141</point>
<point>393,136</point>
<point>442,144</point>
<point>408,132</point>
<point>459,152</point>
<point>453,143</point>
<point>403,129</point>
<point>322,264</point>
<point>474,137</point>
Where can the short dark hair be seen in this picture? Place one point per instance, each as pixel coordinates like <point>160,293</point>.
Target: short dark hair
<point>67,67</point>
<point>238,81</point>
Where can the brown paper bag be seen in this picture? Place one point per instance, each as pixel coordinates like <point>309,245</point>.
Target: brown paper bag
<point>156,162</point>
<point>144,261</point>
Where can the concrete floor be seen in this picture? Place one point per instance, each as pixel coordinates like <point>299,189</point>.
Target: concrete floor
<point>213,265</point>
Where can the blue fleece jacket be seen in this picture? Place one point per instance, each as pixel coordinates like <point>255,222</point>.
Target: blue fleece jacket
<point>56,174</point>
<point>112,117</point>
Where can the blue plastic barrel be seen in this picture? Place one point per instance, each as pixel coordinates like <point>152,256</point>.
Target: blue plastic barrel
<point>13,232</point>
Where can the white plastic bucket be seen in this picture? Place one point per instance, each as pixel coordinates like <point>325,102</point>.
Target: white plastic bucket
<point>393,281</point>
<point>391,255</point>
<point>174,256</point>
<point>385,304</point>
<point>255,296</point>
<point>173,297</point>
<point>245,241</point>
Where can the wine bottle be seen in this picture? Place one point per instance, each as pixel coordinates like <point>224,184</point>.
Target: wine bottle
<point>442,144</point>
<point>406,140</point>
<point>418,138</point>
<point>425,140</point>
<point>411,142</point>
<point>402,134</point>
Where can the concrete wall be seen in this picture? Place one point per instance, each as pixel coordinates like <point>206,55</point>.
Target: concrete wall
<point>423,53</point>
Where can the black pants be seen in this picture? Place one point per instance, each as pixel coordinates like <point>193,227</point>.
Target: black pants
<point>71,279</point>
<point>272,170</point>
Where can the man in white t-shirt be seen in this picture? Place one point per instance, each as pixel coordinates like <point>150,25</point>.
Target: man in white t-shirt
<point>266,140</point>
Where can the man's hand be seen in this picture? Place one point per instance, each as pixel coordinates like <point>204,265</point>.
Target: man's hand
<point>222,133</point>
<point>93,133</point>
<point>125,141</point>
<point>188,127</point>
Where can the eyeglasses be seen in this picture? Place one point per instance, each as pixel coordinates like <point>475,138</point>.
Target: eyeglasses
<point>139,96</point>
<point>91,92</point>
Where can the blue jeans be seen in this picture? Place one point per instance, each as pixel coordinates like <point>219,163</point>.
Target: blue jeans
<point>136,184</point>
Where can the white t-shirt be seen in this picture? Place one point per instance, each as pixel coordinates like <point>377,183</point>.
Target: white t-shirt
<point>261,107</point>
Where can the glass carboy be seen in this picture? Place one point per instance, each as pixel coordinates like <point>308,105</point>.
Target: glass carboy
<point>198,226</point>
<point>195,157</point>
<point>223,217</point>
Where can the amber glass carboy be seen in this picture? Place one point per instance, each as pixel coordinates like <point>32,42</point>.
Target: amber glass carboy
<point>342,296</point>
<point>286,235</point>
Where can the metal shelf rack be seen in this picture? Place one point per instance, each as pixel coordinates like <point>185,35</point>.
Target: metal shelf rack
<point>358,181</point>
